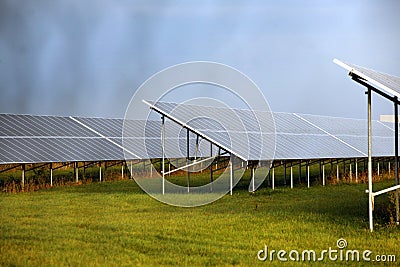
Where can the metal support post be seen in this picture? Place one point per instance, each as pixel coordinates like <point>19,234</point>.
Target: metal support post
<point>23,176</point>
<point>396,155</point>
<point>370,196</point>
<point>100,174</point>
<point>252,179</point>
<point>163,153</point>
<point>84,170</point>
<point>131,170</point>
<point>291,176</point>
<point>308,175</point>
<point>211,170</point>
<point>378,169</point>
<point>323,175</point>
<point>105,170</point>
<point>187,160</point>
<point>356,170</point>
<point>231,176</point>
<point>337,172</point>
<point>351,174</point>
<point>320,169</point>
<point>76,171</point>
<point>51,174</point>
<point>273,178</point>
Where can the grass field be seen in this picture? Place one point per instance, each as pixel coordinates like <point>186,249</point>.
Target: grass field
<point>116,224</point>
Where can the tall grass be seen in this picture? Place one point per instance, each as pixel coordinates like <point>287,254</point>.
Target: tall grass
<point>115,223</point>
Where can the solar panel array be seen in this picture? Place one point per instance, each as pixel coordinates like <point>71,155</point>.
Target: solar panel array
<point>29,139</point>
<point>34,139</point>
<point>298,136</point>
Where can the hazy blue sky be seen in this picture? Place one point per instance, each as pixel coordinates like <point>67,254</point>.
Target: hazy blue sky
<point>87,57</point>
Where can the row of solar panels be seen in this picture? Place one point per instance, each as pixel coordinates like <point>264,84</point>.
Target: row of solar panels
<point>34,139</point>
<point>298,136</point>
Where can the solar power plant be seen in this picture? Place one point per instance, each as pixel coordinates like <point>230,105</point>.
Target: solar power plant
<point>34,139</point>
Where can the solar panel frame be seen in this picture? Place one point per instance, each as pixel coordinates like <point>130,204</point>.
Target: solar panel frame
<point>387,82</point>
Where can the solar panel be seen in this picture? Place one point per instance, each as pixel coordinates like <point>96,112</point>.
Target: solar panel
<point>35,150</point>
<point>29,125</point>
<point>34,139</point>
<point>30,139</point>
<point>225,127</point>
<point>298,136</point>
<point>312,147</point>
<point>387,82</point>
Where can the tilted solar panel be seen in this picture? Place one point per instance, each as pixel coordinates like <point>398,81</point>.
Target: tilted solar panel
<point>29,139</point>
<point>387,82</point>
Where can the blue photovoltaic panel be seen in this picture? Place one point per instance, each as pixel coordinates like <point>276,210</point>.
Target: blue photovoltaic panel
<point>30,139</point>
<point>298,136</point>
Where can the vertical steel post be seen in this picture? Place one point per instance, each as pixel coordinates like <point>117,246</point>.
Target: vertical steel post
<point>100,178</point>
<point>308,175</point>
<point>131,170</point>
<point>187,160</point>
<point>273,178</point>
<point>351,174</point>
<point>252,179</point>
<point>197,147</point>
<point>163,152</point>
<point>211,171</point>
<point>76,171</point>
<point>291,176</point>
<point>231,176</point>
<point>51,174</point>
<point>151,169</point>
<point>320,169</point>
<point>105,170</point>
<point>378,169</point>
<point>370,196</point>
<point>356,170</point>
<point>396,155</point>
<point>84,170</point>
<point>323,175</point>
<point>337,171</point>
<point>23,176</point>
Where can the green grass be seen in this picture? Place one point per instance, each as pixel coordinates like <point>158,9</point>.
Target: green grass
<point>116,224</point>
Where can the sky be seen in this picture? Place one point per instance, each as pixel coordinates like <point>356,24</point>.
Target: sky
<point>87,58</point>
